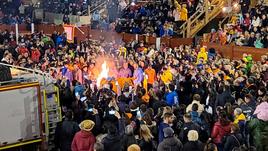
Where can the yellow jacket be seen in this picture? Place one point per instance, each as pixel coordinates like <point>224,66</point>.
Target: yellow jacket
<point>123,50</point>
<point>202,54</point>
<point>166,77</point>
<point>184,14</point>
<point>238,118</point>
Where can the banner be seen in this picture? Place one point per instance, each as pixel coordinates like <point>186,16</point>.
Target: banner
<point>69,30</point>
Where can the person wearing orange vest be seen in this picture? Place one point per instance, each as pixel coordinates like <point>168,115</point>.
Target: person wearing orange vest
<point>150,72</point>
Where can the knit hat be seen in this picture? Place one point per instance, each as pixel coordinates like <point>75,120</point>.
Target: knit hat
<point>134,147</point>
<point>87,125</point>
<point>168,132</point>
<point>192,135</point>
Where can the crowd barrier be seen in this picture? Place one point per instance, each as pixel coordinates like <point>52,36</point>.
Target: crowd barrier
<point>228,51</point>
<point>236,52</point>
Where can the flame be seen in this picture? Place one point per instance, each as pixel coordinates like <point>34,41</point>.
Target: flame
<point>104,73</point>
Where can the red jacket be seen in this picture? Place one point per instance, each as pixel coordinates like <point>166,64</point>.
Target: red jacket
<point>23,50</point>
<point>83,141</point>
<point>220,131</point>
<point>35,55</point>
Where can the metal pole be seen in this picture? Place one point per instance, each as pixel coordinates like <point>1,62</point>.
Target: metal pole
<point>17,33</point>
<point>32,28</point>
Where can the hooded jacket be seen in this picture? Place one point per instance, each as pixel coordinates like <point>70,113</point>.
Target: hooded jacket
<point>65,133</point>
<point>83,141</point>
<point>193,146</point>
<point>202,54</point>
<point>232,141</point>
<point>170,144</point>
<point>259,131</point>
<point>200,107</point>
<point>262,111</point>
<point>219,132</point>
<point>35,55</point>
<point>241,121</point>
<point>112,142</point>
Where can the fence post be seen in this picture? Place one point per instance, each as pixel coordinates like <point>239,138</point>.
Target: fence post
<point>17,33</point>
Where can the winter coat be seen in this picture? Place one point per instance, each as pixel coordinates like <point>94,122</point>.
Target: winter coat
<point>35,55</point>
<point>186,128</point>
<point>161,132</point>
<point>232,141</point>
<point>128,140</point>
<point>112,142</point>
<point>170,144</point>
<point>195,117</point>
<point>202,54</point>
<point>200,107</point>
<point>222,98</point>
<point>83,141</point>
<point>193,146</point>
<point>64,134</point>
<point>219,132</point>
<point>262,111</point>
<point>172,98</point>
<point>259,131</point>
<point>146,146</point>
<point>241,121</point>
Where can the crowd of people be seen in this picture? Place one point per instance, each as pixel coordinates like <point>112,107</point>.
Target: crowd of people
<point>70,7</point>
<point>156,18</point>
<point>185,98</point>
<point>12,12</point>
<point>248,27</point>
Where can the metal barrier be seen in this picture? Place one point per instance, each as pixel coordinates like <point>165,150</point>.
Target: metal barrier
<point>35,75</point>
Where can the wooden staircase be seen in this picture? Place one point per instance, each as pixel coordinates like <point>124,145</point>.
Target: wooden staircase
<point>201,18</point>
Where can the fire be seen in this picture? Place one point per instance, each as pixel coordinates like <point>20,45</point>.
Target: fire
<point>104,73</point>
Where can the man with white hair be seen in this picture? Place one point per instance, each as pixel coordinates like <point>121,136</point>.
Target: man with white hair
<point>193,142</point>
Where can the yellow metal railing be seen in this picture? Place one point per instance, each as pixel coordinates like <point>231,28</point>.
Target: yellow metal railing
<point>201,17</point>
<point>59,113</point>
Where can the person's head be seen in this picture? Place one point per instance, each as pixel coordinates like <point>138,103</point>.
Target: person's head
<point>197,97</point>
<point>248,98</point>
<point>192,135</point>
<point>98,147</point>
<point>143,108</point>
<point>210,146</point>
<point>187,118</point>
<point>135,65</point>
<point>129,130</point>
<point>69,115</point>
<point>252,34</point>
<point>134,147</point>
<point>168,132</point>
<point>238,111</point>
<point>194,107</point>
<point>86,125</point>
<point>145,133</point>
<point>112,130</point>
<point>223,118</point>
<point>171,87</point>
<point>235,128</point>
<point>262,91</point>
<point>168,118</point>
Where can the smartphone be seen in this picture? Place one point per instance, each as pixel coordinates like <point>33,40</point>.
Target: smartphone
<point>139,113</point>
<point>83,99</point>
<point>76,94</point>
<point>112,112</point>
<point>90,110</point>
